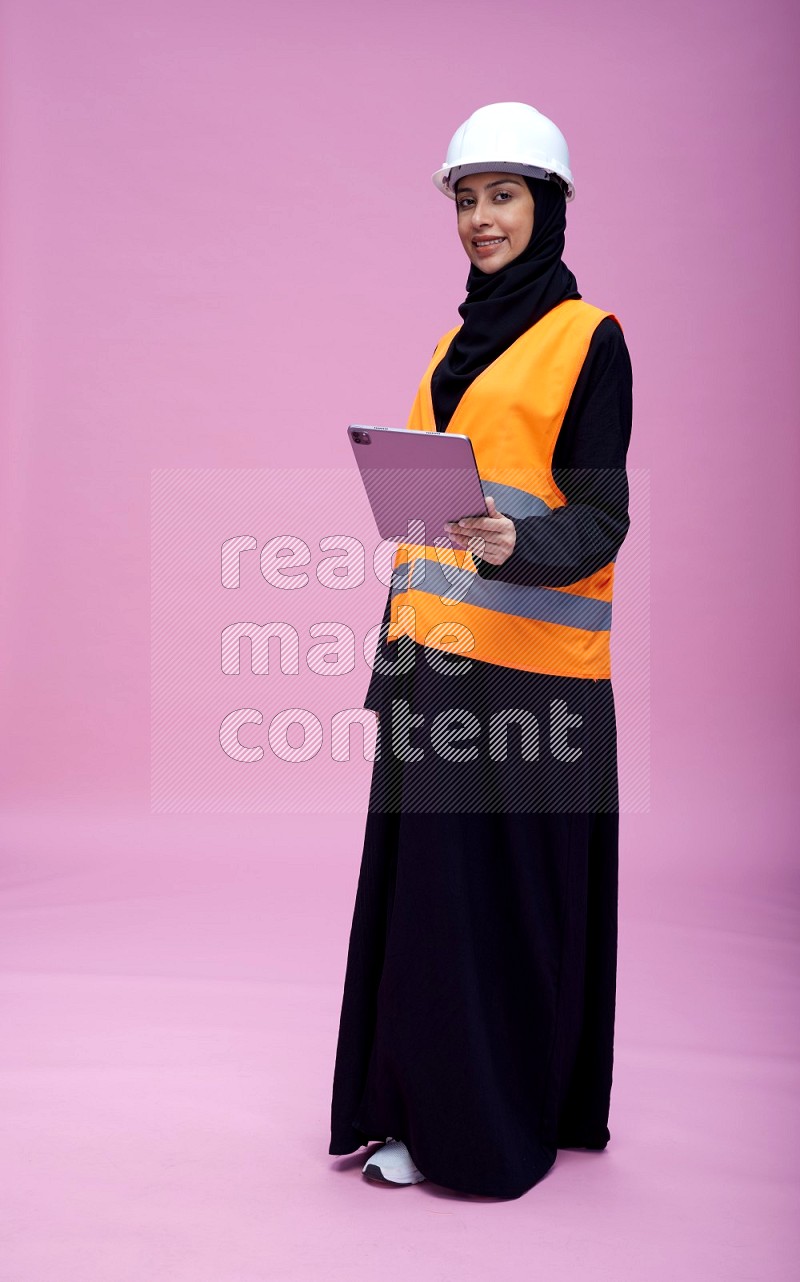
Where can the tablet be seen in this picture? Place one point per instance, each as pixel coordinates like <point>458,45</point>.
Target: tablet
<point>416,481</point>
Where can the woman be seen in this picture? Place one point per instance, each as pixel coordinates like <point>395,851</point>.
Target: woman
<point>477,1021</point>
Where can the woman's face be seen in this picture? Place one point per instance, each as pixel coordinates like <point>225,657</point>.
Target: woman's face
<point>495,218</point>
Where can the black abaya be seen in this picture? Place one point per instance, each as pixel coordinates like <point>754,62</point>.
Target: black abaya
<point>477,1019</point>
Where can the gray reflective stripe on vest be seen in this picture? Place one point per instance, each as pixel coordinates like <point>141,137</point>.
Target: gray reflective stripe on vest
<point>513,502</point>
<point>545,604</point>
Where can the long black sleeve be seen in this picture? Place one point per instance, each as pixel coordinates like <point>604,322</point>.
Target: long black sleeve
<point>589,467</point>
<point>373,698</point>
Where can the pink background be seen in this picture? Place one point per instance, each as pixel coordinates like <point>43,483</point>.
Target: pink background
<point>220,245</point>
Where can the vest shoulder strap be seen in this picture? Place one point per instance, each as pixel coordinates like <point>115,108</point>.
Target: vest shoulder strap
<point>572,309</point>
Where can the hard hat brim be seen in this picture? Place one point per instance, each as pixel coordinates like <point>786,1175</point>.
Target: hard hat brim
<point>442,177</point>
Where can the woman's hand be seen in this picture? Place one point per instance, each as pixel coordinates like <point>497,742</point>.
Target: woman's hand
<point>497,531</point>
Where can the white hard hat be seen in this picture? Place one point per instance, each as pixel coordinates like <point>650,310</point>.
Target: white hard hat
<point>506,137</point>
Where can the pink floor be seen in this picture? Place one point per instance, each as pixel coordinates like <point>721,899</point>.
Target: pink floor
<point>172,983</point>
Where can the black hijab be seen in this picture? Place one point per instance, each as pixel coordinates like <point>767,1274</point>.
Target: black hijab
<point>501,305</point>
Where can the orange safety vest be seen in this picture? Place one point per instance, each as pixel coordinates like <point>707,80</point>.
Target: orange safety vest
<point>512,412</point>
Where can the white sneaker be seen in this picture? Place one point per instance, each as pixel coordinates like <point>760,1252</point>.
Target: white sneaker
<point>391,1164</point>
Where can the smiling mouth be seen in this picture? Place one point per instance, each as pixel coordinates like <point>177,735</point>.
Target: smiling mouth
<point>489,243</point>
